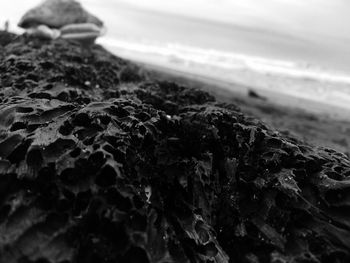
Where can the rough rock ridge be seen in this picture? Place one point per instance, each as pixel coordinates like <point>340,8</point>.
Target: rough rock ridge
<point>98,163</point>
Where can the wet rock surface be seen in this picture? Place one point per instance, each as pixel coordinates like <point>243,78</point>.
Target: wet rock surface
<point>98,163</point>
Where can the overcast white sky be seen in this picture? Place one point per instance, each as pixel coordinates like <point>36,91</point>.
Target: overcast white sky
<point>325,17</point>
<point>328,17</point>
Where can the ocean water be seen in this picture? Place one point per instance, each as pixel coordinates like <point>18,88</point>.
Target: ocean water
<point>299,48</point>
<point>299,80</point>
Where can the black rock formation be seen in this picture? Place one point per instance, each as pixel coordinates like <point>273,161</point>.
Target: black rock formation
<point>98,163</point>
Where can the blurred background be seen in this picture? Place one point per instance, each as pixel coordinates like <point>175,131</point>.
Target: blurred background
<point>300,45</point>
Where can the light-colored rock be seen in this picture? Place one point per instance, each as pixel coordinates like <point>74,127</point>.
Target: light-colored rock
<point>44,32</point>
<point>81,28</point>
<point>85,33</point>
<point>58,13</point>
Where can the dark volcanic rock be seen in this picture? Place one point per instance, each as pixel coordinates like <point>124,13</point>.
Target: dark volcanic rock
<point>100,164</point>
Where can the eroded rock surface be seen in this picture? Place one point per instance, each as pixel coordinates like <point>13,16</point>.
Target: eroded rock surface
<point>100,164</point>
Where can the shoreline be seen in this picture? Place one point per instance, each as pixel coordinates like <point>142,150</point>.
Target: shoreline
<point>324,90</point>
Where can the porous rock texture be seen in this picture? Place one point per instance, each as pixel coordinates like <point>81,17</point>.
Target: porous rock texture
<point>98,163</point>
